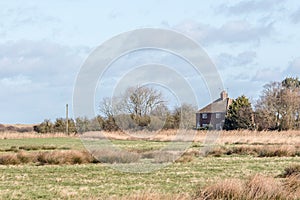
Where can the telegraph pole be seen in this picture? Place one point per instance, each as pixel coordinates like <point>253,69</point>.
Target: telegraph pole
<point>67,119</point>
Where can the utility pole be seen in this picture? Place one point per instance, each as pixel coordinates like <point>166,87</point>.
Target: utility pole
<point>67,119</point>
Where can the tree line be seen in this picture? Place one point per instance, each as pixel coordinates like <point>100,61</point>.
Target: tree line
<point>144,108</point>
<point>277,108</point>
<point>139,108</point>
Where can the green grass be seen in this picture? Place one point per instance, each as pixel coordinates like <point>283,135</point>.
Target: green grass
<point>94,181</point>
<point>68,143</point>
<point>97,180</point>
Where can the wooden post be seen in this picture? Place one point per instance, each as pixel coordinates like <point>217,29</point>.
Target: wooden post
<point>67,119</point>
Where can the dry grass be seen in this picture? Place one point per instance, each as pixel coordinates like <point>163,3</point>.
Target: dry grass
<point>222,137</point>
<point>115,156</point>
<point>150,195</point>
<point>256,150</point>
<point>16,135</point>
<point>293,170</point>
<point>256,187</point>
<point>30,148</point>
<point>43,158</point>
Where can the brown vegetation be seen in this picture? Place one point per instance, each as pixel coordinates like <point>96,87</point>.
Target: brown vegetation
<point>115,156</point>
<point>51,158</point>
<point>259,151</point>
<point>256,187</point>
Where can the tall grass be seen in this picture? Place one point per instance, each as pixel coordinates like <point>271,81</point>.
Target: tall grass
<point>259,151</point>
<point>48,157</point>
<point>16,135</point>
<point>225,137</point>
<point>257,187</point>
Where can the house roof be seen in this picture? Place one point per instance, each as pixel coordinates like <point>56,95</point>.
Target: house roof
<point>220,105</point>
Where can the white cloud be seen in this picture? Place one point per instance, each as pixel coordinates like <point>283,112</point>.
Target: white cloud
<point>294,68</point>
<point>249,6</point>
<point>225,60</point>
<point>15,81</point>
<point>37,78</point>
<point>295,16</point>
<point>43,61</point>
<point>239,31</point>
<point>268,74</point>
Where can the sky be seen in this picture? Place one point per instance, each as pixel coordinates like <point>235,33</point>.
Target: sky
<point>44,44</point>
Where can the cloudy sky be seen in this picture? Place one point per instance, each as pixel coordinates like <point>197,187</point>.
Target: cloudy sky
<point>43,45</point>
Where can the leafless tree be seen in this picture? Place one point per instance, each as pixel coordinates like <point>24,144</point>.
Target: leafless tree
<point>109,107</point>
<point>279,105</point>
<point>139,102</point>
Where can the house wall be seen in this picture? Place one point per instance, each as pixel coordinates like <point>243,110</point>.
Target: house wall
<point>211,119</point>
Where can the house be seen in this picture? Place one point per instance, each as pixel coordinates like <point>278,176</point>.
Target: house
<point>213,115</point>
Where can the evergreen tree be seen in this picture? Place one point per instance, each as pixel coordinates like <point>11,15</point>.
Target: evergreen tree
<point>239,115</point>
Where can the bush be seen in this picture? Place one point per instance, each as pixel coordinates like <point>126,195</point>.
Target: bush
<point>291,171</point>
<point>9,159</point>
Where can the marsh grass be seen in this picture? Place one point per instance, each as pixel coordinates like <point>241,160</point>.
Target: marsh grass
<point>47,158</point>
<point>257,187</point>
<point>33,148</point>
<point>292,170</point>
<point>115,156</point>
<point>58,167</point>
<point>258,151</point>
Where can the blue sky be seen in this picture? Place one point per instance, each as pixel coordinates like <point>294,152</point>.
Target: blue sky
<point>44,44</point>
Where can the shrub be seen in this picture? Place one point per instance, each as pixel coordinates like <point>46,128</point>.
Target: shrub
<point>291,170</point>
<point>9,159</point>
<point>24,157</point>
<point>227,189</point>
<point>262,187</point>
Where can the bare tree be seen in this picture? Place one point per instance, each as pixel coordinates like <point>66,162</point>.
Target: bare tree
<point>184,116</point>
<point>279,105</point>
<point>139,102</point>
<point>109,107</point>
<point>268,107</point>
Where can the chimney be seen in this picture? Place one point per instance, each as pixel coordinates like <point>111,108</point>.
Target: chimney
<point>224,95</point>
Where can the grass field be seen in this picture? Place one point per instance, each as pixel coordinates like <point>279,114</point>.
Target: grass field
<point>236,155</point>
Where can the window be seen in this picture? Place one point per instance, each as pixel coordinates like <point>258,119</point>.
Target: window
<point>204,116</point>
<point>218,115</point>
<point>204,125</point>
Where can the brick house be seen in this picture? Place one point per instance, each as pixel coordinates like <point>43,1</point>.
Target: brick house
<point>213,114</point>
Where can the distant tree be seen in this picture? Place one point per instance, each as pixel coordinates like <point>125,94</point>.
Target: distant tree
<point>184,116</point>
<point>110,124</point>
<point>45,127</point>
<point>96,124</point>
<point>109,107</point>
<point>239,115</point>
<point>269,107</point>
<point>139,102</point>
<point>60,126</point>
<point>291,83</point>
<point>82,124</point>
<point>279,105</point>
